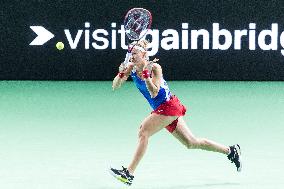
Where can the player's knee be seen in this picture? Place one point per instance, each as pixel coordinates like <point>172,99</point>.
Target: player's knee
<point>203,143</point>
<point>193,143</point>
<point>197,143</point>
<point>190,145</point>
<point>143,134</point>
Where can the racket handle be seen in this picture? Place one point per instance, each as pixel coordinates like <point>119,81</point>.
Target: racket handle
<point>127,57</point>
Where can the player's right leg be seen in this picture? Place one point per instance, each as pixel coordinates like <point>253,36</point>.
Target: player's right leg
<point>151,125</point>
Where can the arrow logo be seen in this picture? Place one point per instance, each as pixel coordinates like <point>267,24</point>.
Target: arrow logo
<point>43,35</point>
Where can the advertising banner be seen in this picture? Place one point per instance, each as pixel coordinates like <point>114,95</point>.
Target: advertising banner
<point>194,40</point>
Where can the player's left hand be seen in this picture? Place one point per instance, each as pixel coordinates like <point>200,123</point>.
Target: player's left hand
<point>147,66</point>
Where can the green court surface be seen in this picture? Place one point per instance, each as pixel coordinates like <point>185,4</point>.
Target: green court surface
<point>65,135</point>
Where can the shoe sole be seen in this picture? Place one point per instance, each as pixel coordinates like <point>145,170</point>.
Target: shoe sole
<point>240,158</point>
<point>123,180</point>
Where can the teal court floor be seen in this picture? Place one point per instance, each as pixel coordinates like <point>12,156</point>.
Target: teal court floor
<point>65,135</point>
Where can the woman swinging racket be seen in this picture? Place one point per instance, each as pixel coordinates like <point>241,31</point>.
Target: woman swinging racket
<point>167,113</point>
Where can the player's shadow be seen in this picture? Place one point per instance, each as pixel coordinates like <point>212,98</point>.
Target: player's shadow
<point>205,185</point>
<point>208,185</point>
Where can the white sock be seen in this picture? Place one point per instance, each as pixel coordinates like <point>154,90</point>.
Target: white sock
<point>229,151</point>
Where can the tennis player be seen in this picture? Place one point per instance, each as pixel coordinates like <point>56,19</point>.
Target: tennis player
<point>167,113</point>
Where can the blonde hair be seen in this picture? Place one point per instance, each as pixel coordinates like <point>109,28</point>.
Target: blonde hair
<point>143,43</point>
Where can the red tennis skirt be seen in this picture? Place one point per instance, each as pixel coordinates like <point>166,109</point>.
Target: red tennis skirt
<point>172,107</point>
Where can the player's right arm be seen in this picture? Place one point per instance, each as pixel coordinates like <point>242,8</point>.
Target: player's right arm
<point>122,76</point>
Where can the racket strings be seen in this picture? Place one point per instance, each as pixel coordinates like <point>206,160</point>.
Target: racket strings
<point>136,21</point>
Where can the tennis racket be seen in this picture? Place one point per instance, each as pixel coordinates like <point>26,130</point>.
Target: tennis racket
<point>137,21</point>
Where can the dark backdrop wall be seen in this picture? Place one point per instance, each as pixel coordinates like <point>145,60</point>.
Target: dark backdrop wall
<point>181,60</point>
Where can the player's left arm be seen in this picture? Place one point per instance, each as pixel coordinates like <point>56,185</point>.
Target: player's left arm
<point>153,84</point>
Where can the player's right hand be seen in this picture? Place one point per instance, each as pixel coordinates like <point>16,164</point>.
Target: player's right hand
<point>122,68</point>
<point>125,68</point>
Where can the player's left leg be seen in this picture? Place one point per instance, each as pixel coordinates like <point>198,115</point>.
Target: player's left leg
<point>185,136</point>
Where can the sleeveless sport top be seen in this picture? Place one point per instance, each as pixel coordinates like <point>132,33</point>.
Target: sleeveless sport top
<point>164,93</point>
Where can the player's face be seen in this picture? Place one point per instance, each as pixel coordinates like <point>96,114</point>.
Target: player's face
<point>137,56</point>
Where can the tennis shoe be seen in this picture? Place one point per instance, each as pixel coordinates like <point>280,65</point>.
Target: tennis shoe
<point>235,156</point>
<point>122,175</point>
